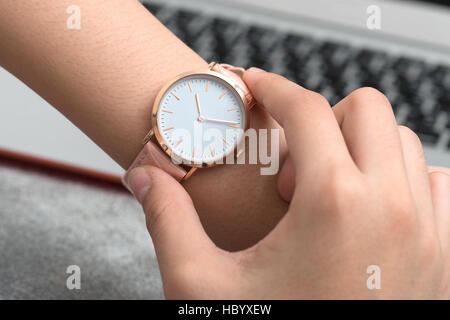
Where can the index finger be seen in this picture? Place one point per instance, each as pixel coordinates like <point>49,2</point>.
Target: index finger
<point>312,132</point>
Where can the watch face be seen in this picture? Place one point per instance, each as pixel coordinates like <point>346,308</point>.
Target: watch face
<point>201,118</point>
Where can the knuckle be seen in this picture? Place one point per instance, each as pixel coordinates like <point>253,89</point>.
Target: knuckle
<point>315,99</point>
<point>361,96</point>
<point>410,141</point>
<point>409,136</point>
<point>402,214</point>
<point>345,192</point>
<point>407,132</point>
<point>439,181</point>
<point>307,101</point>
<point>300,98</point>
<point>369,93</point>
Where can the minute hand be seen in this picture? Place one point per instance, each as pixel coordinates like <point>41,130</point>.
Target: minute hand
<point>221,121</point>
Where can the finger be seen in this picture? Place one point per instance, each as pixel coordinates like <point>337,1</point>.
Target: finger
<point>438,169</point>
<point>172,220</point>
<point>440,195</point>
<point>416,171</point>
<point>370,131</point>
<point>312,134</point>
<point>286,181</point>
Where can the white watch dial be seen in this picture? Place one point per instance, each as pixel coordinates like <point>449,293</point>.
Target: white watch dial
<point>201,118</point>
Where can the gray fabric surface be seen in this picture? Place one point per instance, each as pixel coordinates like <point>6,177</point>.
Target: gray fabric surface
<point>50,220</point>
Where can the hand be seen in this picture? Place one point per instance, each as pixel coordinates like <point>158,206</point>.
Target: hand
<point>198,106</point>
<point>411,147</point>
<point>220,121</point>
<point>359,200</point>
<point>201,118</point>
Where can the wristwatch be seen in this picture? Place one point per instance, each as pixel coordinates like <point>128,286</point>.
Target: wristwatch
<point>198,119</point>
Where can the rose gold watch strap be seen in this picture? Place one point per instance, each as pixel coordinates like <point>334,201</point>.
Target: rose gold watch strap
<point>152,155</point>
<point>236,74</point>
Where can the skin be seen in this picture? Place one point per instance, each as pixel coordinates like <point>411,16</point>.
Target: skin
<point>105,77</point>
<point>365,199</point>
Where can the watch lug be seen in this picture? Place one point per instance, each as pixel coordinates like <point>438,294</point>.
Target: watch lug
<point>190,172</point>
<point>148,137</point>
<point>211,65</point>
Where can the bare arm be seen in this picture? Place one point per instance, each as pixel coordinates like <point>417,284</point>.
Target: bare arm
<point>104,78</point>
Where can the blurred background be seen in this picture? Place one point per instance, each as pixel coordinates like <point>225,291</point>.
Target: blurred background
<point>50,218</point>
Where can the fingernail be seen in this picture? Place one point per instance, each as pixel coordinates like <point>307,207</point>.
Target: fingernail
<point>254,69</point>
<point>139,182</point>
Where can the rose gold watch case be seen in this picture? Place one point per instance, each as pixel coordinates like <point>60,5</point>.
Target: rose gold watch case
<point>155,129</point>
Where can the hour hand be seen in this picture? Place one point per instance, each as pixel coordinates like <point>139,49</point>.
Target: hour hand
<point>198,105</point>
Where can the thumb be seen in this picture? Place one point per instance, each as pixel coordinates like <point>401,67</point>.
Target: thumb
<point>286,179</point>
<point>172,220</point>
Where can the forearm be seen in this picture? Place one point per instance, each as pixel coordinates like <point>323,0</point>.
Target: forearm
<point>105,77</point>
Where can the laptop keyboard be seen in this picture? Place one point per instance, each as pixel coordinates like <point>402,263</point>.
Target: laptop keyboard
<point>418,91</point>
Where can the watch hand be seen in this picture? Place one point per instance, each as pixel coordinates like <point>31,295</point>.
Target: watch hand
<point>198,105</point>
<point>220,121</point>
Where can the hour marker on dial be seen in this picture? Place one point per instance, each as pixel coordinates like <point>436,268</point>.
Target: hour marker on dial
<point>223,93</point>
<point>234,108</point>
<point>224,140</point>
<point>178,143</point>
<point>233,126</point>
<point>167,129</point>
<point>178,98</point>
<point>189,84</point>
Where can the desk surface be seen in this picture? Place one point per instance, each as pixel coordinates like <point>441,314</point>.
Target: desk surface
<point>50,220</point>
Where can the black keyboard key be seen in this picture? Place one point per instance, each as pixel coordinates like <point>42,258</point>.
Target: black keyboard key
<point>153,8</point>
<point>365,56</point>
<point>373,62</point>
<point>423,124</point>
<point>409,75</point>
<point>299,48</point>
<point>439,74</point>
<point>444,99</point>
<point>328,48</point>
<point>262,43</point>
<point>427,137</point>
<point>226,36</point>
<point>292,40</point>
<point>368,80</point>
<point>402,64</point>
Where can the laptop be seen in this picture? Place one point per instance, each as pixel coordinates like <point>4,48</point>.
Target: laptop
<point>401,48</point>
